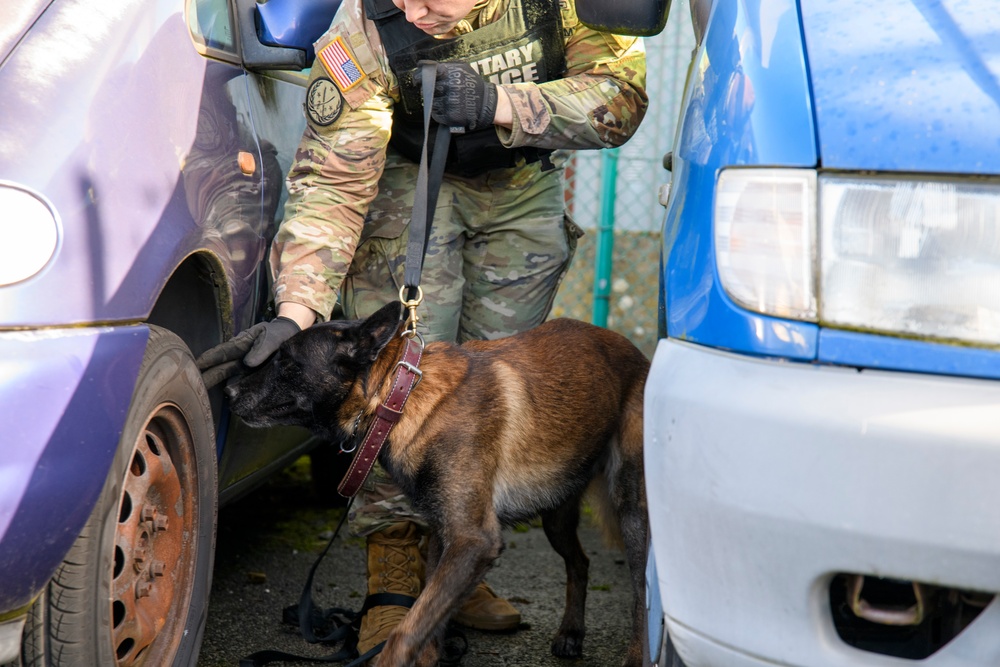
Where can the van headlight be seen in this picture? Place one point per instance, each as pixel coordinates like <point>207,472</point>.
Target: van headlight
<point>765,240</point>
<point>906,256</point>
<point>29,233</point>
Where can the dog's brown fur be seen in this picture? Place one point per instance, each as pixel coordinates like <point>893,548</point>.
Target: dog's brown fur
<point>495,433</point>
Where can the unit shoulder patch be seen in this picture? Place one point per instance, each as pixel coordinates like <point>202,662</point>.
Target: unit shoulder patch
<point>340,63</point>
<point>323,102</point>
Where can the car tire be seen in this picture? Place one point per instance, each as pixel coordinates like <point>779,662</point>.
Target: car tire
<point>134,587</point>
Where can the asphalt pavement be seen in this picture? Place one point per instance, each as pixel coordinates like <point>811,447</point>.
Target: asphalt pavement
<point>268,540</point>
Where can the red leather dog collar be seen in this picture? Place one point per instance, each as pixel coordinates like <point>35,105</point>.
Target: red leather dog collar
<point>386,415</point>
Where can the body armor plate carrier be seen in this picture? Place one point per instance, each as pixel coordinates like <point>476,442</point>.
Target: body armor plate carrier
<point>524,45</point>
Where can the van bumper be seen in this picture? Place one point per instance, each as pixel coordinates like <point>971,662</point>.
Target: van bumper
<point>766,478</point>
<point>64,398</point>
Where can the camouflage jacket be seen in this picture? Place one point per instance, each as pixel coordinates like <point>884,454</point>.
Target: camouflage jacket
<point>334,177</point>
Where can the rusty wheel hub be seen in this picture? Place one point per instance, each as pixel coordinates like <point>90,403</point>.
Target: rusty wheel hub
<point>155,545</point>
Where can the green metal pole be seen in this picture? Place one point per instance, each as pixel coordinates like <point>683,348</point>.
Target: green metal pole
<point>605,237</point>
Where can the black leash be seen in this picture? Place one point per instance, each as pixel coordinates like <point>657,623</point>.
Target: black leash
<point>336,624</point>
<point>315,625</point>
<point>429,179</point>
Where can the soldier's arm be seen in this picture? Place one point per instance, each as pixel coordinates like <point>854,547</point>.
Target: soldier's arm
<point>331,183</point>
<point>598,104</point>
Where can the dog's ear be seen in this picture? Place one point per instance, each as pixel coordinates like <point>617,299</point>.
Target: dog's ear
<point>378,330</point>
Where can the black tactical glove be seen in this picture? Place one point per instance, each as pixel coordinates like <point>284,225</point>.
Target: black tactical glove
<point>462,97</point>
<point>269,338</point>
<point>253,346</point>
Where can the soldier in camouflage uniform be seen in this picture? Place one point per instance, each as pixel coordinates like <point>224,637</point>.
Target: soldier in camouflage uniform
<point>500,241</point>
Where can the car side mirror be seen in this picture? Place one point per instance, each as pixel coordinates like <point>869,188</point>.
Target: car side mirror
<point>279,34</point>
<point>643,18</point>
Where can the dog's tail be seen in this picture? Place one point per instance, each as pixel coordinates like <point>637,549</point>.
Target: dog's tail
<point>617,494</point>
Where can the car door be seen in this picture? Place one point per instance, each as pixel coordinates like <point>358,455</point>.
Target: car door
<point>248,130</point>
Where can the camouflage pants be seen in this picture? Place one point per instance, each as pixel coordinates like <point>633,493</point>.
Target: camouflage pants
<point>500,244</point>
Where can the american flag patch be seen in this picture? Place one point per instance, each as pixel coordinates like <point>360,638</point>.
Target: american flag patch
<point>340,63</point>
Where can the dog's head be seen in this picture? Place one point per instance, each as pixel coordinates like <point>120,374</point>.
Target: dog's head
<point>307,379</point>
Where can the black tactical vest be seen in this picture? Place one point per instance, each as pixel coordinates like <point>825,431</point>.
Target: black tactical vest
<point>524,44</point>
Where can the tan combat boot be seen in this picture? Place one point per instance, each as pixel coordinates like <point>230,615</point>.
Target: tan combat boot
<point>485,610</point>
<point>394,566</point>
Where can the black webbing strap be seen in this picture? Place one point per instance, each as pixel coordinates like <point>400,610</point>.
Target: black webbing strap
<point>339,625</point>
<point>342,625</point>
<point>261,658</point>
<point>428,184</point>
<point>307,609</point>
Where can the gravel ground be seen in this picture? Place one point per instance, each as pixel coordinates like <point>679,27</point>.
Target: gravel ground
<point>268,540</point>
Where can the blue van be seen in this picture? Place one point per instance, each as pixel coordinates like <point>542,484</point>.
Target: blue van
<point>823,408</point>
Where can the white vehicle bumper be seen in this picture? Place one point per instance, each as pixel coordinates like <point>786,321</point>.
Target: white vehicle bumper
<point>767,478</point>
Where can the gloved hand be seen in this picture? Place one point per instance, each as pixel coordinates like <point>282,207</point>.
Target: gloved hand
<point>462,97</point>
<point>268,338</point>
<point>253,346</point>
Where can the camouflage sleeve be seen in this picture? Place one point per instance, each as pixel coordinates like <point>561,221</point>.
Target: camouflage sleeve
<point>598,104</point>
<point>335,173</point>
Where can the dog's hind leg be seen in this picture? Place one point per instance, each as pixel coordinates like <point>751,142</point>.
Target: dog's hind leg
<point>634,529</point>
<point>560,527</point>
<point>627,488</point>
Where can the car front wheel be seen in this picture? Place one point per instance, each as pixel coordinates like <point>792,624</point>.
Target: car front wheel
<point>133,589</point>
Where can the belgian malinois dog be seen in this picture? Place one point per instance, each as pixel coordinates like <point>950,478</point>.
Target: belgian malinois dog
<point>495,433</point>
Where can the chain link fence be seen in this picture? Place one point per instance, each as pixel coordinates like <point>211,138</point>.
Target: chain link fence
<point>638,174</point>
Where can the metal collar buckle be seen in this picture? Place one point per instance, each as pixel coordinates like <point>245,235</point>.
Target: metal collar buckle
<point>413,369</point>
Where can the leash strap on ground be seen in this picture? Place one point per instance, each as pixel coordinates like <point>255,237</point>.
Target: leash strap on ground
<point>428,185</point>
<point>261,658</point>
<point>308,618</point>
<point>306,606</point>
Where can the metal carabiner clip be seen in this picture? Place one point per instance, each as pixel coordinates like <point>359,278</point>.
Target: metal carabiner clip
<point>411,305</point>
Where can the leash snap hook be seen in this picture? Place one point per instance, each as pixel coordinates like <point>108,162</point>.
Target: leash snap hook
<point>411,306</point>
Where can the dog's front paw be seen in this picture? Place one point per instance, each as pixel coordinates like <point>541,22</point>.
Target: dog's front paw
<point>568,645</point>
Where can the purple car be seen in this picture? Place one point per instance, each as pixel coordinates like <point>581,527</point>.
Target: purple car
<point>143,148</point>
